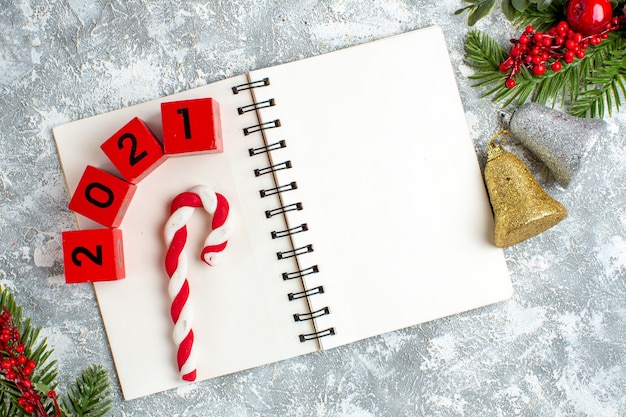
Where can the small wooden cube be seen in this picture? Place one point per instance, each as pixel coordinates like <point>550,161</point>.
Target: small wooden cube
<point>191,127</point>
<point>102,197</point>
<point>134,150</point>
<point>93,255</point>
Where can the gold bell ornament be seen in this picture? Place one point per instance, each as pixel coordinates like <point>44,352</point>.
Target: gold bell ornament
<point>521,208</point>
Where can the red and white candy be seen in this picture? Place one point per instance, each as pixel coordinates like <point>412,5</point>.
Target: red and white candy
<point>176,263</point>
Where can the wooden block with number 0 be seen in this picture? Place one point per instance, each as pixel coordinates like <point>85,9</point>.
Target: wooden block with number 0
<point>134,150</point>
<point>191,127</point>
<point>102,197</point>
<point>93,255</point>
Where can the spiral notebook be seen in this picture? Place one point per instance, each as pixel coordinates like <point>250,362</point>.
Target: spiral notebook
<point>359,203</point>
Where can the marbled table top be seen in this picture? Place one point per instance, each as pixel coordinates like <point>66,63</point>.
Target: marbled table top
<point>557,348</point>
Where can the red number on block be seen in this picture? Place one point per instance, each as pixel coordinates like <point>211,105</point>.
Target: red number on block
<point>134,150</point>
<point>93,255</point>
<point>191,127</point>
<point>102,197</point>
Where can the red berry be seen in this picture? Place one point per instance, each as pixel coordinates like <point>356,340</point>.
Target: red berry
<point>539,69</point>
<point>571,45</point>
<point>506,64</point>
<point>556,66</point>
<point>562,27</point>
<point>510,83</point>
<point>589,16</point>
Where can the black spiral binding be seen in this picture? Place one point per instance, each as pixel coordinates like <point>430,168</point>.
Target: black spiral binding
<point>291,231</point>
<point>262,126</point>
<point>280,190</point>
<point>250,85</point>
<point>271,147</point>
<point>283,210</point>
<point>272,168</point>
<point>301,273</point>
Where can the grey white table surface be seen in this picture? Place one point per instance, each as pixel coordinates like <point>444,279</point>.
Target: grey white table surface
<point>557,348</point>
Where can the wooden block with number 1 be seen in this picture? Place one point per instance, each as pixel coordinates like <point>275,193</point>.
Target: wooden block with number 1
<point>191,127</point>
<point>93,255</point>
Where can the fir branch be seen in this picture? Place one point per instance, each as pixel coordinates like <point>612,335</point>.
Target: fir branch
<point>591,86</point>
<point>44,375</point>
<point>607,88</point>
<point>89,395</point>
<point>482,52</point>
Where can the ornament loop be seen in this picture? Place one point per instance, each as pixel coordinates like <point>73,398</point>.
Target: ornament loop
<point>495,149</point>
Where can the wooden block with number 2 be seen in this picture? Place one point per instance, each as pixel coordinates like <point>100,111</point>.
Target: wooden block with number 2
<point>93,255</point>
<point>134,150</point>
<point>191,127</point>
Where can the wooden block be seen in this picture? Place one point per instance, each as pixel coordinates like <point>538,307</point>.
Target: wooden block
<point>93,255</point>
<point>102,197</point>
<point>134,150</point>
<point>191,127</point>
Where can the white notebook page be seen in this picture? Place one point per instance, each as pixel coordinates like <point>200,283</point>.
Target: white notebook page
<point>390,185</point>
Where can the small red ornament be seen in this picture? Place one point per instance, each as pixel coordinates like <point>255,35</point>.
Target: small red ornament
<point>589,16</point>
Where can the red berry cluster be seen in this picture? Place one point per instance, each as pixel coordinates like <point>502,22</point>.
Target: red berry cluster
<point>16,367</point>
<point>538,51</point>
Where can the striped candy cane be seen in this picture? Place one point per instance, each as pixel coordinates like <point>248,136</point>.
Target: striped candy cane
<point>176,263</point>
